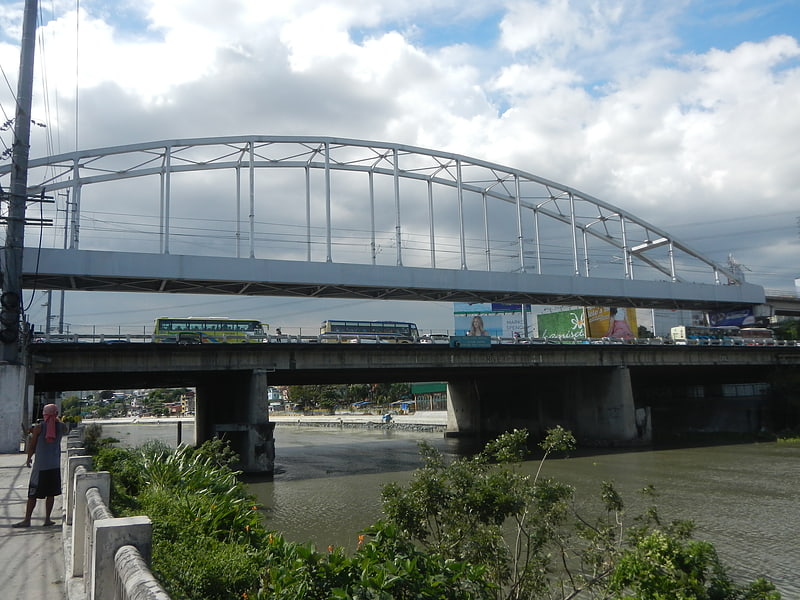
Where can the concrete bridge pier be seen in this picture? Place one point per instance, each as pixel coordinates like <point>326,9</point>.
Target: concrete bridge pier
<point>234,406</point>
<point>463,408</point>
<point>15,397</point>
<point>596,404</point>
<point>602,407</point>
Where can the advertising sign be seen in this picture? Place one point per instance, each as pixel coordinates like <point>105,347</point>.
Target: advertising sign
<point>562,324</point>
<point>482,319</point>
<point>739,318</point>
<point>611,322</point>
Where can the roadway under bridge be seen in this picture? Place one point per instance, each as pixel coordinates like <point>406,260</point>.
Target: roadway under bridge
<point>607,395</point>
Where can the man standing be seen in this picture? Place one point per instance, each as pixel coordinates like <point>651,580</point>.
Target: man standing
<point>45,482</point>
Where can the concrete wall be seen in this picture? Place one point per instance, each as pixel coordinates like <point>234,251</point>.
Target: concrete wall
<point>13,389</point>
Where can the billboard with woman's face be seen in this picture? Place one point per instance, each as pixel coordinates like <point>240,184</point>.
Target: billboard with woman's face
<point>496,320</point>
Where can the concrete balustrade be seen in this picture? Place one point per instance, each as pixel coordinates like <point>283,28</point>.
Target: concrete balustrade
<point>109,556</point>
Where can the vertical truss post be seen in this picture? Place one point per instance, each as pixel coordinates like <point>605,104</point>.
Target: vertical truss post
<point>520,241</point>
<point>329,243</point>
<point>165,199</point>
<point>372,246</point>
<point>307,170</point>
<point>486,230</point>
<point>625,249</point>
<point>74,216</point>
<point>576,267</point>
<point>252,215</point>
<point>538,244</point>
<point>432,240</point>
<point>586,252</point>
<point>671,253</point>
<point>460,190</point>
<point>238,233</point>
<point>397,230</point>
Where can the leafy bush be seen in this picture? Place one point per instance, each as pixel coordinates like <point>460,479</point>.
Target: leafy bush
<point>473,529</point>
<point>126,478</point>
<point>201,567</point>
<point>532,543</point>
<point>385,567</point>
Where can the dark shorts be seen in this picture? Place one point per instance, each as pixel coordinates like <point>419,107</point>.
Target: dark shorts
<point>47,484</point>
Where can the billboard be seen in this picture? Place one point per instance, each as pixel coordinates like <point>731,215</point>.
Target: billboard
<point>739,318</point>
<point>493,319</point>
<point>611,322</point>
<point>562,324</point>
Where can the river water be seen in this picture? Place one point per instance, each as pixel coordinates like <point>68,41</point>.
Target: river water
<point>742,498</point>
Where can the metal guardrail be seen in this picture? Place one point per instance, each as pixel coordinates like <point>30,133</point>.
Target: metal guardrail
<point>76,338</point>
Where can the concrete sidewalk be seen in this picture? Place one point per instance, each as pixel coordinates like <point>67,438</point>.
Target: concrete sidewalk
<point>31,559</point>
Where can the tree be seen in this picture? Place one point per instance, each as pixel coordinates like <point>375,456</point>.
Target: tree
<point>71,406</point>
<point>533,543</point>
<point>788,329</point>
<point>321,396</point>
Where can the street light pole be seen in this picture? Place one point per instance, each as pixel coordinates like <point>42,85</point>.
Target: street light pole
<point>11,299</point>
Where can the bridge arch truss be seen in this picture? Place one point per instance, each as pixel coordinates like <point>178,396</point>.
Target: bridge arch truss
<point>361,208</point>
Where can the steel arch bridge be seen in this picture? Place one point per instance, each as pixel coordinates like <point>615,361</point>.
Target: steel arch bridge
<point>331,217</point>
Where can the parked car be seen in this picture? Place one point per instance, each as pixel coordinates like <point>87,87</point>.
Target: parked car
<point>435,338</point>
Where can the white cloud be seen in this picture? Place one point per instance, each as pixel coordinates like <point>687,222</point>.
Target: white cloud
<point>593,94</point>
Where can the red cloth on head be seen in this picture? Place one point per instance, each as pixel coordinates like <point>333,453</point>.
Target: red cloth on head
<point>50,413</point>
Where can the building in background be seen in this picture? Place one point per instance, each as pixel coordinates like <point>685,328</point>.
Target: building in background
<point>430,395</point>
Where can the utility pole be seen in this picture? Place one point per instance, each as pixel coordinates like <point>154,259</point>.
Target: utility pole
<point>11,299</point>
<point>13,374</point>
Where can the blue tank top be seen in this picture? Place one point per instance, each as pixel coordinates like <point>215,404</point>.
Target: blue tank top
<point>48,454</point>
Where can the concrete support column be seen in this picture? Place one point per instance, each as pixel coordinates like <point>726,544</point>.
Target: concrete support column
<point>235,407</point>
<point>463,408</point>
<point>602,406</point>
<point>261,441</point>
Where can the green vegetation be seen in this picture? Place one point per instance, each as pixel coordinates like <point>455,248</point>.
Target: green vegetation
<point>331,397</point>
<point>787,329</point>
<point>475,528</point>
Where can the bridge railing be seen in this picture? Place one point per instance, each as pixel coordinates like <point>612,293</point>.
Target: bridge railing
<point>107,557</point>
<point>375,339</point>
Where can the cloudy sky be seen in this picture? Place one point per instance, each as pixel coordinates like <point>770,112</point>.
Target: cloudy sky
<point>684,113</point>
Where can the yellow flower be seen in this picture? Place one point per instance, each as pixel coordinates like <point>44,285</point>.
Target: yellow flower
<point>330,548</point>
<point>360,540</point>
